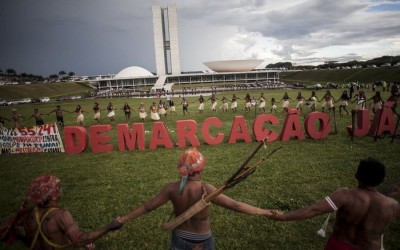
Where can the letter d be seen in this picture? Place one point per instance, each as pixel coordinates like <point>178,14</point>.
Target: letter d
<point>76,139</point>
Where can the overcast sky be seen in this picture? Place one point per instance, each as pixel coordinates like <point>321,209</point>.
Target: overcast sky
<point>91,37</point>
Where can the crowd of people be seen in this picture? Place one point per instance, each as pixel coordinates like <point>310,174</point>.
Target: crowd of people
<point>362,213</point>
<point>261,104</point>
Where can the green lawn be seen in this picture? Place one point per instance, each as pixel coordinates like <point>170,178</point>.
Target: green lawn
<point>98,187</point>
<point>343,76</point>
<point>51,90</point>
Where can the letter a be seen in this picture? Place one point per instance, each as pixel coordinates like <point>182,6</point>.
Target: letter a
<point>383,120</point>
<point>160,136</point>
<point>239,130</point>
<point>291,126</point>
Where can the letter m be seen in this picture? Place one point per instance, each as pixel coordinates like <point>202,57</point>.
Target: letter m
<point>131,140</point>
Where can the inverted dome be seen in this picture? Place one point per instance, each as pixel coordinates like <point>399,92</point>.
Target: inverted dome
<point>233,65</point>
<point>133,72</point>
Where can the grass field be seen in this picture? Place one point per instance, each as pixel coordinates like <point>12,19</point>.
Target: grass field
<point>98,187</point>
<point>51,90</point>
<point>369,76</point>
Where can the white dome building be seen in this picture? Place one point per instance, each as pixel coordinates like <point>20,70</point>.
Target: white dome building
<point>233,65</point>
<point>133,72</point>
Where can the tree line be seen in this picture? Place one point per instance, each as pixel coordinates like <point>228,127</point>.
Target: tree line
<point>11,74</point>
<point>392,60</point>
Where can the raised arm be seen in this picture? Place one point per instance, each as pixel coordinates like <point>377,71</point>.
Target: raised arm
<point>237,206</point>
<point>327,205</point>
<point>159,200</point>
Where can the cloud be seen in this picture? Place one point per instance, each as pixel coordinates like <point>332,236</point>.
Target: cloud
<point>87,37</point>
<point>299,28</point>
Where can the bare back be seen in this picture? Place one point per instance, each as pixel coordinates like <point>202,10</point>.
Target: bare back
<point>52,227</point>
<point>60,230</point>
<point>200,222</point>
<point>363,216</point>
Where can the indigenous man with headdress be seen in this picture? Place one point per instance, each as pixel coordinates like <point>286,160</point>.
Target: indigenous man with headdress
<point>362,213</point>
<point>42,224</point>
<point>195,232</point>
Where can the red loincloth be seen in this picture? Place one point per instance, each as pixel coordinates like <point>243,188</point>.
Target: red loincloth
<point>335,244</point>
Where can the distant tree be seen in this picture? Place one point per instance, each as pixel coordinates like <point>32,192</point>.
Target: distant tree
<point>286,65</point>
<point>23,76</point>
<point>62,73</point>
<point>53,76</point>
<point>10,73</point>
<point>71,73</point>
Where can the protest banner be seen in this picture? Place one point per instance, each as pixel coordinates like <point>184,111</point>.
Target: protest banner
<point>35,139</point>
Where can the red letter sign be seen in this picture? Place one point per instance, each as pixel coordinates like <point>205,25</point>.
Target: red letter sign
<point>260,132</point>
<point>362,123</point>
<point>160,136</point>
<point>324,125</point>
<point>291,126</point>
<point>189,133</point>
<point>239,130</point>
<point>383,120</point>
<point>205,131</point>
<point>98,141</point>
<point>75,139</point>
<point>128,139</point>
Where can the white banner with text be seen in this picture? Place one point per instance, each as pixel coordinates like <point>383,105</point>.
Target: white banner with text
<point>35,139</point>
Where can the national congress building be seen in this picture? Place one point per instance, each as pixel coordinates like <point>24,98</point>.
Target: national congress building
<point>166,46</point>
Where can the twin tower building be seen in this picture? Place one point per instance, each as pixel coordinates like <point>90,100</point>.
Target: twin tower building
<point>166,42</point>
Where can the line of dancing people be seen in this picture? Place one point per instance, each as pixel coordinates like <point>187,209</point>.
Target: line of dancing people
<point>160,110</point>
<point>328,102</point>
